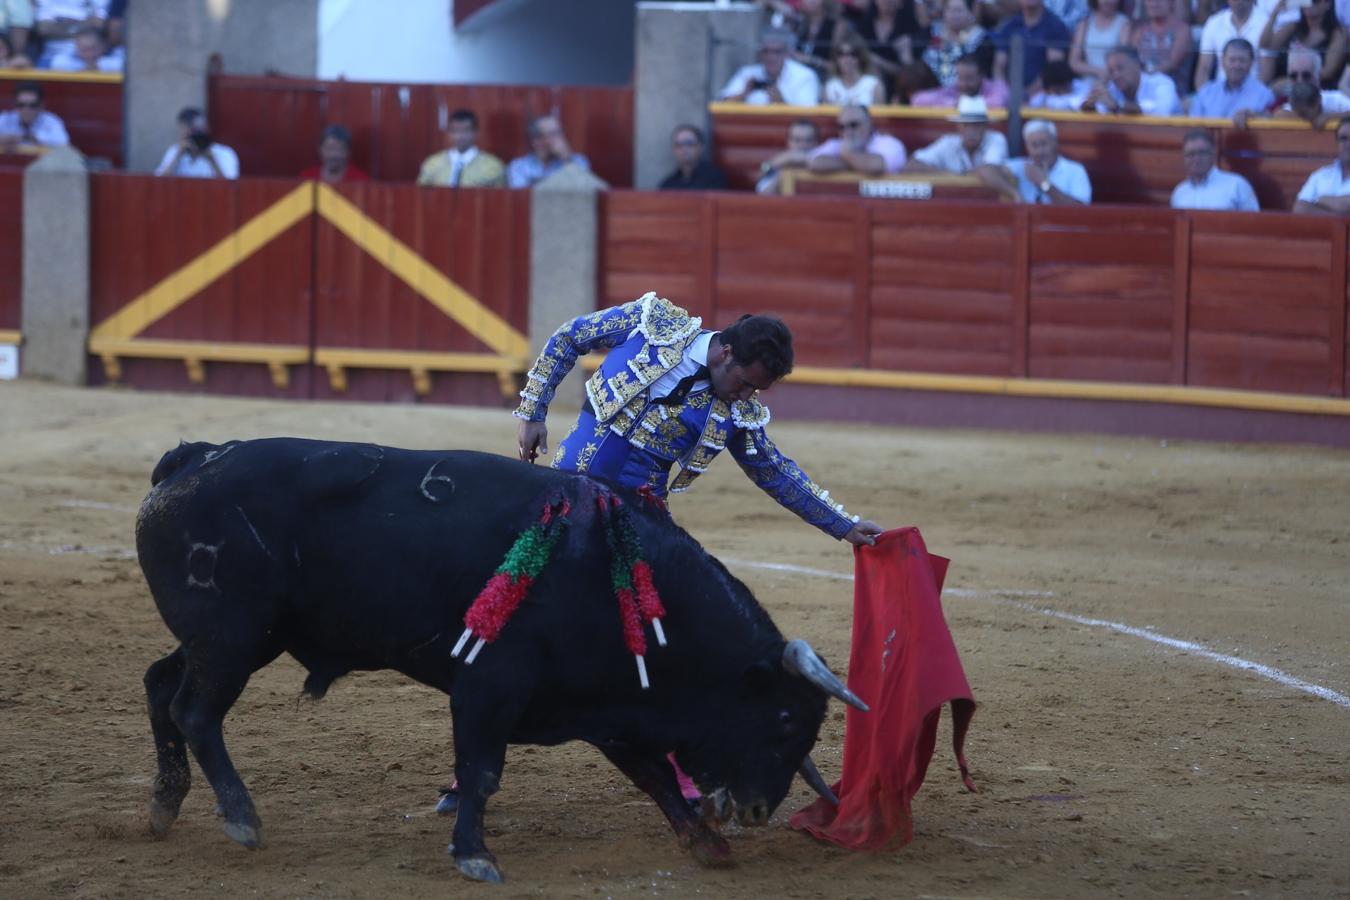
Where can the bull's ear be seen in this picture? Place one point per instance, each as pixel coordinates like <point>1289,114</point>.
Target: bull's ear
<point>760,675</point>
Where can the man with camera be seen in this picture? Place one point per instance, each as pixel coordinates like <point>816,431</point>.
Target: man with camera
<point>775,78</point>
<point>196,155</point>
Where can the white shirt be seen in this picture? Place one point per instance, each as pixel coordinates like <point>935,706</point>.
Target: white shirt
<point>798,84</point>
<point>1328,181</point>
<point>71,62</point>
<point>1156,96</point>
<point>1219,30</point>
<point>695,355</point>
<point>947,152</point>
<point>1334,103</point>
<point>199,166</point>
<point>459,161</point>
<point>1067,175</point>
<point>48,129</point>
<point>1218,190</point>
<point>861,94</point>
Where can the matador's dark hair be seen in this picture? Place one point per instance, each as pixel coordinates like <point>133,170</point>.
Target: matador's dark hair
<point>760,339</point>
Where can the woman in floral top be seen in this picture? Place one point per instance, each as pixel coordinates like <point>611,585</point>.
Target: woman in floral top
<point>955,36</point>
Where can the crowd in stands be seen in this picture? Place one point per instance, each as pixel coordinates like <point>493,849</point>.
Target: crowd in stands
<point>63,35</point>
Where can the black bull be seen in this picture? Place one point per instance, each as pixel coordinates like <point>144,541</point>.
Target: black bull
<point>357,557</point>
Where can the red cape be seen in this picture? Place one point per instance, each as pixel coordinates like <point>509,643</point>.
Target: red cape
<point>905,666</point>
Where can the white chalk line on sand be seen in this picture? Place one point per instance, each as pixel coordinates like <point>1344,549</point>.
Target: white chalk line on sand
<point>1148,634</point>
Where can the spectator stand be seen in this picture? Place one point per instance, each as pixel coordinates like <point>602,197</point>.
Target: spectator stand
<point>380,286</point>
<point>1130,159</point>
<point>1157,311</point>
<point>89,103</point>
<point>396,126</point>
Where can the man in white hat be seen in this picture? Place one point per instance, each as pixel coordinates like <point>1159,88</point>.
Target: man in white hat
<point>974,143</point>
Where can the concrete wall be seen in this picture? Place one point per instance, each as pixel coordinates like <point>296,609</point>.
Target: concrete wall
<point>170,41</point>
<point>686,52</point>
<point>509,42</point>
<point>55,317</point>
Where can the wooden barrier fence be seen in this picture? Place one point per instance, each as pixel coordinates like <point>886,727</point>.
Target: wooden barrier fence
<point>1112,295</point>
<point>1133,160</point>
<point>11,253</point>
<point>285,288</point>
<point>396,126</point>
<point>89,103</point>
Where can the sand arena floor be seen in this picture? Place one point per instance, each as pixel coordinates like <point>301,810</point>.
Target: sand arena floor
<point>1109,764</point>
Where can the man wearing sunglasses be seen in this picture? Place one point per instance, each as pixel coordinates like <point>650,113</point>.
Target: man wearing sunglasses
<point>859,148</point>
<point>28,124</point>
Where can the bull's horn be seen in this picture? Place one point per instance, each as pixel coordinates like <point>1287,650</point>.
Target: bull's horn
<point>800,659</point>
<point>811,775</point>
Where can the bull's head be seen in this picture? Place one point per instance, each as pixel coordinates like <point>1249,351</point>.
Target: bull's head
<point>768,722</point>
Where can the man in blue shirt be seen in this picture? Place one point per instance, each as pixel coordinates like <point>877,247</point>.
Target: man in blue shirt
<point>1046,38</point>
<point>1238,89</point>
<point>1206,185</point>
<point>1042,176</point>
<point>549,152</point>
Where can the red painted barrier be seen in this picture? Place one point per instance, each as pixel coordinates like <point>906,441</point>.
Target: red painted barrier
<point>395,127</point>
<point>11,247</point>
<point>1114,294</point>
<point>478,239</point>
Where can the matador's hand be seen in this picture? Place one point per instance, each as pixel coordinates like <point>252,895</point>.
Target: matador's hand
<point>864,532</point>
<point>532,440</point>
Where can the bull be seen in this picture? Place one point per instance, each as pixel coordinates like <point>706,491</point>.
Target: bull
<point>359,557</point>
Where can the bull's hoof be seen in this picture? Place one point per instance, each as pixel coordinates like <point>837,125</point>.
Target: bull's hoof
<point>711,851</point>
<point>480,868</point>
<point>162,817</point>
<point>245,835</point>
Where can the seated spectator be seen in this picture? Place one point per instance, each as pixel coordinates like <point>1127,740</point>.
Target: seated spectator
<point>16,22</point>
<point>1327,190</point>
<point>463,164</point>
<point>1059,89</point>
<point>955,36</point>
<point>1241,19</point>
<point>28,124</point>
<point>1206,186</point>
<point>1046,38</point>
<point>974,143</point>
<point>1164,42</point>
<point>896,31</point>
<point>1313,105</point>
<point>335,155</point>
<point>853,82</point>
<point>859,148</point>
<point>1238,89</point>
<point>91,54</point>
<point>692,171</point>
<point>197,155</point>
<point>1313,27</point>
<point>802,138</point>
<point>818,28</point>
<point>970,82</point>
<point>775,78</point>
<point>1042,176</point>
<point>1096,34</point>
<point>549,152</point>
<point>1131,91</point>
<point>58,21</point>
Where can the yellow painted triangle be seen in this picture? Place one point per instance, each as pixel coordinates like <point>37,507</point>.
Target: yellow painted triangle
<point>191,279</point>
<point>421,276</point>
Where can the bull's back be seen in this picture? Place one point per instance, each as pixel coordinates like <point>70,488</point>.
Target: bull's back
<point>338,547</point>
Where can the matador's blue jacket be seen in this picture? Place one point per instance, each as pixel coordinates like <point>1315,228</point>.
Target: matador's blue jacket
<point>626,438</point>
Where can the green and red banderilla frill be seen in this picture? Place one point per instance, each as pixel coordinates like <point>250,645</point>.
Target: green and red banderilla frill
<point>630,576</point>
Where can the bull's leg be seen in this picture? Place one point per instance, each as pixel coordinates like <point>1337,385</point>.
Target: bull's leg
<point>482,726</point>
<point>653,774</point>
<point>174,778</point>
<point>199,709</point>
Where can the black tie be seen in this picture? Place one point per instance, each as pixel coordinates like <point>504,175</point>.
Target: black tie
<point>676,397</point>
